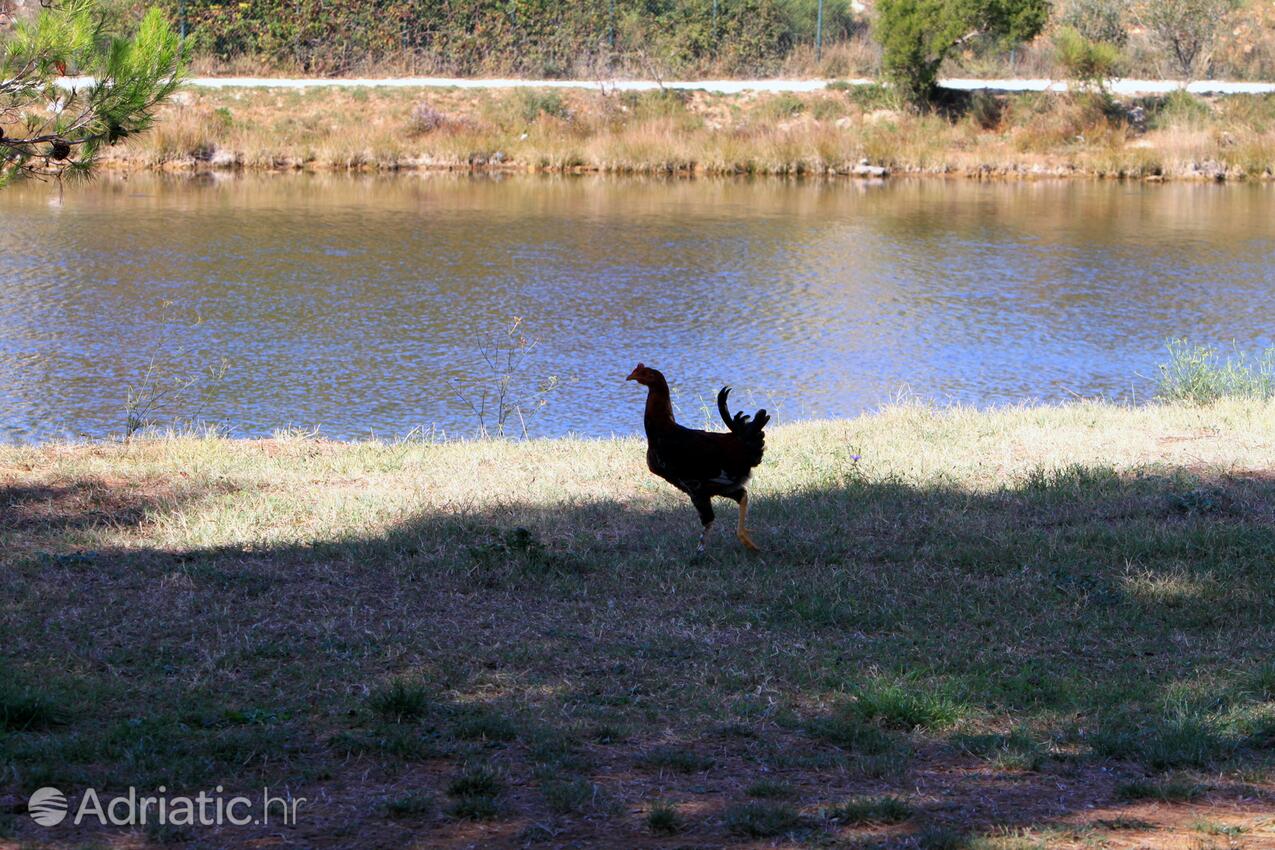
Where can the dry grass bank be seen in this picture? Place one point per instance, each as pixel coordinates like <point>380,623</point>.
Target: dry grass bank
<point>836,132</point>
<point>1037,627</point>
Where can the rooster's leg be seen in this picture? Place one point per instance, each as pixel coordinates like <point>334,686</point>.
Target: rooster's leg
<point>704,505</point>
<point>703,538</point>
<point>743,519</point>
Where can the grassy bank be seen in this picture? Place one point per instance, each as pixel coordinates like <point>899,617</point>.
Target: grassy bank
<point>1025,628</point>
<point>834,132</point>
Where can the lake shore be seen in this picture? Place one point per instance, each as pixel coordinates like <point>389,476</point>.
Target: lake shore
<point>990,629</point>
<point>852,131</point>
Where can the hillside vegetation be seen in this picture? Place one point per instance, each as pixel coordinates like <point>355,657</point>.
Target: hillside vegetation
<point>594,39</point>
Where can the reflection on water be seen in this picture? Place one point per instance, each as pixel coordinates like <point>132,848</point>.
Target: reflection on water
<point>356,304</point>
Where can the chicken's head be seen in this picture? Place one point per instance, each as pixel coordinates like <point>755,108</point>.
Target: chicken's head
<point>645,375</point>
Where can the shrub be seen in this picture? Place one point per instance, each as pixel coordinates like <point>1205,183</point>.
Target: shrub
<point>532,104</point>
<point>917,35</point>
<point>1179,107</point>
<point>426,119</point>
<point>782,106</point>
<point>1090,63</point>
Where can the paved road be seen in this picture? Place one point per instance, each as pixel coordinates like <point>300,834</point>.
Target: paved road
<point>1127,87</point>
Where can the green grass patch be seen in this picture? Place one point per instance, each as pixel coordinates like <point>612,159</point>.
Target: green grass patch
<point>1174,789</point>
<point>400,701</point>
<point>676,759</point>
<point>476,781</point>
<point>846,728</point>
<point>664,819</point>
<point>411,806</point>
<point>943,838</point>
<point>869,810</point>
<point>1016,751</point>
<point>1200,374</point>
<point>770,789</point>
<point>1183,736</point>
<point>22,711</point>
<point>481,723</point>
<point>568,796</point>
<point>761,820</point>
<point>902,706</point>
<point>475,793</point>
<point>1212,827</point>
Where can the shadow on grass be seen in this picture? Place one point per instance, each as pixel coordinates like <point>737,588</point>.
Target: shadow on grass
<point>1108,628</point>
<point>63,514</point>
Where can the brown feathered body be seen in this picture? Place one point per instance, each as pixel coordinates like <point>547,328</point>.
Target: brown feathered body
<point>702,464</point>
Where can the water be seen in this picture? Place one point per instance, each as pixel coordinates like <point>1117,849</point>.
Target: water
<point>359,306</point>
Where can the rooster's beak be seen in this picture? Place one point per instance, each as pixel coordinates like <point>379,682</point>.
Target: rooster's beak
<point>633,376</point>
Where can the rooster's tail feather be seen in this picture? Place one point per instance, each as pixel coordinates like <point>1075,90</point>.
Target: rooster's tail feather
<point>748,428</point>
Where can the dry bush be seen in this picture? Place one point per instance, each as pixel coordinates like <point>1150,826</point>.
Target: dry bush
<point>1050,123</point>
<point>858,56</point>
<point>426,119</point>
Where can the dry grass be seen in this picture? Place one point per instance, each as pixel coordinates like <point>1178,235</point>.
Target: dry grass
<point>668,132</point>
<point>1002,621</point>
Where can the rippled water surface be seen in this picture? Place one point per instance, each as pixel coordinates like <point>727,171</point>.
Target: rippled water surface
<point>361,305</point>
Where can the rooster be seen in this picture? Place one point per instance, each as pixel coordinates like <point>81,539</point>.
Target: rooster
<point>702,464</point>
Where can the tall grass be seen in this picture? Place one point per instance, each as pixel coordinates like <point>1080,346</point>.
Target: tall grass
<point>1198,374</point>
<point>660,132</point>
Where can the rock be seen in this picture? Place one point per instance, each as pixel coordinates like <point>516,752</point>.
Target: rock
<point>224,159</point>
<point>843,123</point>
<point>1137,118</point>
<point>866,169</point>
<point>1210,169</point>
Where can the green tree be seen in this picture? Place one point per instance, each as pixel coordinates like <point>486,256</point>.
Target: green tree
<point>1185,30</point>
<point>47,129</point>
<point>917,35</point>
